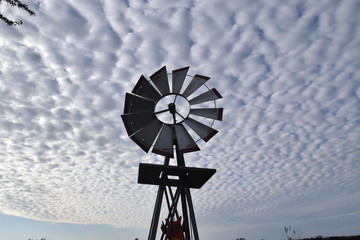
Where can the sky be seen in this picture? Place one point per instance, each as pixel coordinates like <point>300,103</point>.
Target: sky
<point>287,152</point>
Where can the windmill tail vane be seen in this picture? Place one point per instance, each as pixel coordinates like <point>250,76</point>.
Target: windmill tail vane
<point>165,115</point>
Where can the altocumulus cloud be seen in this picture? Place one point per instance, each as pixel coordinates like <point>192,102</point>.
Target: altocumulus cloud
<point>288,71</point>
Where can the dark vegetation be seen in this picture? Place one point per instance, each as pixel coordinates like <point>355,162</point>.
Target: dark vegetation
<point>323,238</point>
<point>292,234</point>
<point>18,4</point>
<point>334,238</point>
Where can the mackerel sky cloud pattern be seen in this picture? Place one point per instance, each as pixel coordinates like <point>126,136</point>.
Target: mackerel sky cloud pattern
<point>287,151</point>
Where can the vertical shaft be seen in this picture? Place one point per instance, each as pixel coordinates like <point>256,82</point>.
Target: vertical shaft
<point>182,179</point>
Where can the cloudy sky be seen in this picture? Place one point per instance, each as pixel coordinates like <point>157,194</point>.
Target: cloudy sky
<point>287,151</point>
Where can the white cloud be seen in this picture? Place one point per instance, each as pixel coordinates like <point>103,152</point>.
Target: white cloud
<point>288,144</point>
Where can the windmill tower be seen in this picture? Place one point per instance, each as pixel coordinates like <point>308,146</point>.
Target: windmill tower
<point>166,122</point>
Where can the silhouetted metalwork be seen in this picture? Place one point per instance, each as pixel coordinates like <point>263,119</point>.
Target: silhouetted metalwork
<point>158,119</point>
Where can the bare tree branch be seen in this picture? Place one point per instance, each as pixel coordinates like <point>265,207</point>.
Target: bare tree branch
<point>18,4</point>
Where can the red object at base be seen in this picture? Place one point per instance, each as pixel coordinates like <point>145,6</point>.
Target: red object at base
<point>176,231</point>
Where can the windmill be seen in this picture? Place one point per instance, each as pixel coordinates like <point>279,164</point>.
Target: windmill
<point>170,123</point>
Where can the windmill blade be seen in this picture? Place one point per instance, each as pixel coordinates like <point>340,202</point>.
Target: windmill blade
<point>135,103</point>
<point>165,141</point>
<point>212,94</point>
<point>145,89</point>
<point>205,132</point>
<point>213,113</point>
<point>146,136</point>
<point>195,83</point>
<point>160,80</point>
<point>185,142</point>
<point>135,121</point>
<point>178,77</point>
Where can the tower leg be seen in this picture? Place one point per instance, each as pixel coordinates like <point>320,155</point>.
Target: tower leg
<point>192,214</point>
<point>185,213</point>
<point>157,209</point>
<point>156,215</point>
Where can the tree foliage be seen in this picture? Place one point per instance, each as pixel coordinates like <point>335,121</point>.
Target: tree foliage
<point>18,4</point>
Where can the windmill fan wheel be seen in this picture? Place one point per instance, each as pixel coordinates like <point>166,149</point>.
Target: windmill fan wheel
<point>157,118</point>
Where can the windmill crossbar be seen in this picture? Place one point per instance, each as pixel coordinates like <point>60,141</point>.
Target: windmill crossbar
<point>156,174</point>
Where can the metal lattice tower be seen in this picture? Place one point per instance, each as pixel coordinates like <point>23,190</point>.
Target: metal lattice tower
<point>166,122</point>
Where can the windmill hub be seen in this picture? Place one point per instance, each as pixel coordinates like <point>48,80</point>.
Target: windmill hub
<point>172,109</point>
